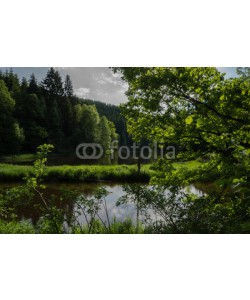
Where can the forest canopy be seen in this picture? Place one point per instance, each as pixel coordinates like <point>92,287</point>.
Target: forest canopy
<point>33,113</point>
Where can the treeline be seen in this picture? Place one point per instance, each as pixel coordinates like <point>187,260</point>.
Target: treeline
<point>113,113</point>
<point>33,113</point>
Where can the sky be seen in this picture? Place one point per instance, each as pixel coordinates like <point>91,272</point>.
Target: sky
<point>230,72</point>
<point>94,83</point>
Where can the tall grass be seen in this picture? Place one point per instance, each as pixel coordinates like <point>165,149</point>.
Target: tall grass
<point>10,172</point>
<point>97,173</point>
<point>120,173</point>
<point>116,227</point>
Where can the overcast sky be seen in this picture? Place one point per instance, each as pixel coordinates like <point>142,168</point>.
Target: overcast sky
<point>94,83</point>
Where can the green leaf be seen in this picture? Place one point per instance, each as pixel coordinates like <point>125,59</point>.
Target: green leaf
<point>189,120</point>
<point>199,123</point>
<point>236,180</point>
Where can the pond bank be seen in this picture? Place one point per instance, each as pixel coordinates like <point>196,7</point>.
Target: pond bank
<point>87,173</point>
<point>118,173</point>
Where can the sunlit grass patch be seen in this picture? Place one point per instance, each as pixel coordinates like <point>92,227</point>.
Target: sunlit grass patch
<point>123,173</point>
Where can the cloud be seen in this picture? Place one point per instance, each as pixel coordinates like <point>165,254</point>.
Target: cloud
<point>106,78</point>
<point>82,92</point>
<point>97,84</point>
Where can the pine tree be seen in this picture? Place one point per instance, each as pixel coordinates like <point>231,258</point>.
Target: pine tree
<point>24,85</point>
<point>12,82</point>
<point>68,87</point>
<point>54,125</point>
<point>52,84</point>
<point>33,85</point>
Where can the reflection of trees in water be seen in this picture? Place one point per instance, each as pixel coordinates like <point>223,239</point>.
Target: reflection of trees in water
<point>30,206</point>
<point>181,211</point>
<point>159,210</point>
<point>135,193</point>
<point>154,199</point>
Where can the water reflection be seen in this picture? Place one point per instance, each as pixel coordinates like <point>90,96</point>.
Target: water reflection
<point>119,212</point>
<point>131,206</point>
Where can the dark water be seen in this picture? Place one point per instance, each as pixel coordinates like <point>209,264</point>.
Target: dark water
<point>57,194</point>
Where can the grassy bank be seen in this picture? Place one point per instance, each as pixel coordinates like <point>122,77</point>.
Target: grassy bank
<point>122,173</point>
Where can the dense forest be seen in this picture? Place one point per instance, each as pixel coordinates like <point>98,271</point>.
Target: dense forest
<point>33,113</point>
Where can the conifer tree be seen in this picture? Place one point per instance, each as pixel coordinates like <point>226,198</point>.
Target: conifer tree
<point>68,87</point>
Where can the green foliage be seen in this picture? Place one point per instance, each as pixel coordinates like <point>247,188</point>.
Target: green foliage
<point>11,135</point>
<point>113,114</point>
<point>244,73</point>
<point>68,87</point>
<point>24,227</point>
<point>180,211</point>
<point>54,124</point>
<point>105,134</point>
<point>33,87</point>
<point>201,112</point>
<point>34,113</point>
<point>31,111</point>
<point>33,185</point>
<point>57,219</point>
<point>52,84</point>
<point>125,227</point>
<point>86,124</point>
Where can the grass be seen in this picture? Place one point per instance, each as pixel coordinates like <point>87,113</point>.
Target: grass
<point>191,165</point>
<point>122,173</point>
<point>18,158</point>
<point>119,173</point>
<point>10,172</point>
<point>116,227</point>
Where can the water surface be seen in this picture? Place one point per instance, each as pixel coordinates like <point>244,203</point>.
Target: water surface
<point>57,194</point>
